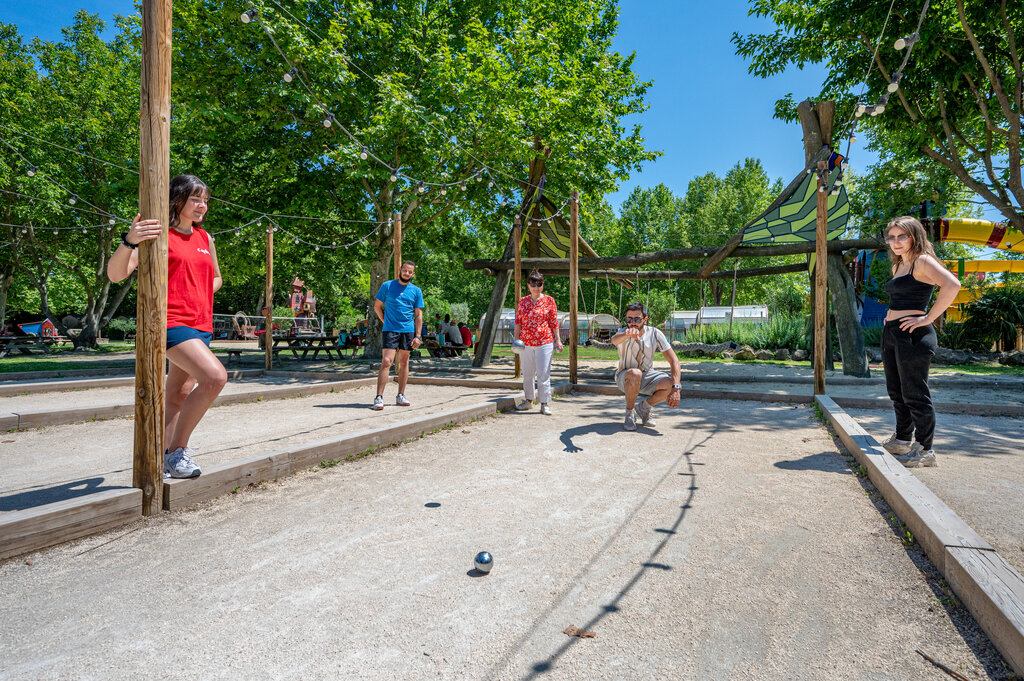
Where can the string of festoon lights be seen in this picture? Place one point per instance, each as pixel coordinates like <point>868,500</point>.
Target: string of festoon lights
<point>33,170</point>
<point>878,108</point>
<point>410,108</point>
<point>364,153</point>
<point>293,73</point>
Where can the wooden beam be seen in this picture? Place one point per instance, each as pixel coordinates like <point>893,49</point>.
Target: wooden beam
<point>820,284</point>
<point>574,282</point>
<point>680,275</point>
<point>517,241</point>
<point>154,197</point>
<point>641,259</point>
<point>396,236</point>
<point>826,119</point>
<point>268,325</point>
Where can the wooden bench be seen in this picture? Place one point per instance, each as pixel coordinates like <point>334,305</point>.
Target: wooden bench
<point>27,344</point>
<point>236,353</point>
<point>437,350</point>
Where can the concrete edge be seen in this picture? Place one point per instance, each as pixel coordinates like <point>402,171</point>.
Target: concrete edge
<point>37,528</point>
<point>119,366</point>
<point>35,419</point>
<point>14,388</point>
<point>990,588</point>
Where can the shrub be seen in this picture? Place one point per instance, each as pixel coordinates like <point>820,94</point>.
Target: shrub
<point>873,337</point>
<point>119,328</point>
<point>962,336</point>
<point>998,314</point>
<point>780,332</point>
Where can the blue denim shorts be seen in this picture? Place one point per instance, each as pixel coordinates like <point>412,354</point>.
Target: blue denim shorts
<point>180,334</point>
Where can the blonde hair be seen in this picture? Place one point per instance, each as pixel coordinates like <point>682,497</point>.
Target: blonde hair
<point>919,239</point>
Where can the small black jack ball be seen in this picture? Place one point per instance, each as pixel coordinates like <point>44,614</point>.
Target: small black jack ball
<point>483,562</point>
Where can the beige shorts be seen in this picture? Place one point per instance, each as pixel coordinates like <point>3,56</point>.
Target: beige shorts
<point>648,382</point>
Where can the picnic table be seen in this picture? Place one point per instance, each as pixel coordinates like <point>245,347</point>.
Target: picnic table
<point>308,343</point>
<point>26,344</point>
<point>435,349</point>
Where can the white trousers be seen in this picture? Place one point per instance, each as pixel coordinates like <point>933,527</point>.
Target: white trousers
<point>536,362</point>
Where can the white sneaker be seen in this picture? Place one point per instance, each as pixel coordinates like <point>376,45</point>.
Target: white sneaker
<point>378,403</point>
<point>401,401</point>
<point>646,414</point>
<point>179,463</point>
<point>896,447</point>
<point>918,456</point>
<point>525,405</point>
<point>630,422</point>
<point>545,409</point>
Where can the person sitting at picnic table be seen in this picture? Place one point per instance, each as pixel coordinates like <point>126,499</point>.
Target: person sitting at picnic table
<point>467,336</point>
<point>454,337</point>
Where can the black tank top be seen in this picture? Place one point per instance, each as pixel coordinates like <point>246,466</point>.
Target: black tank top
<point>907,293</point>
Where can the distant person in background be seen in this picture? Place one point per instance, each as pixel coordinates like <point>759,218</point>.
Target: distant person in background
<point>467,336</point>
<point>438,324</point>
<point>537,326</point>
<point>908,339</point>
<point>636,376</point>
<point>196,376</point>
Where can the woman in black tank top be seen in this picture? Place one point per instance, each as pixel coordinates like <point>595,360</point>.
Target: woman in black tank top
<point>908,339</point>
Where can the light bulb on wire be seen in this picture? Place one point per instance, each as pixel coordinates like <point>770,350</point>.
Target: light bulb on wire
<point>111,221</point>
<point>289,75</point>
<point>249,15</point>
<point>73,199</point>
<point>907,42</point>
<point>894,84</point>
<point>364,153</point>
<point>32,170</point>
<point>394,176</point>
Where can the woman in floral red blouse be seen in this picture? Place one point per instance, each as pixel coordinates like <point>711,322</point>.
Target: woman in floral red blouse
<point>537,326</point>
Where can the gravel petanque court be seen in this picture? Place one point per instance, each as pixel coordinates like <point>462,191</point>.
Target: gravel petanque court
<point>732,542</point>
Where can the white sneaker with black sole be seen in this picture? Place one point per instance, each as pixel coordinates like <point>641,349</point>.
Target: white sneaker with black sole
<point>179,463</point>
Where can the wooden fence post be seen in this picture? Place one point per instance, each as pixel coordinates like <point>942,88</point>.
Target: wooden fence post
<point>154,197</point>
<point>820,283</point>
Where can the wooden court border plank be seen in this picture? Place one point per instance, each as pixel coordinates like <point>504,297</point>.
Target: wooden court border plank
<point>988,586</point>
<point>37,528</point>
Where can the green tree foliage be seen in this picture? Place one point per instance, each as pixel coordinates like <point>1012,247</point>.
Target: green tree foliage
<point>83,98</point>
<point>959,98</point>
<point>998,314</point>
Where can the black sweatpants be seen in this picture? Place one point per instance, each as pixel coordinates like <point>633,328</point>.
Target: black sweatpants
<point>906,358</point>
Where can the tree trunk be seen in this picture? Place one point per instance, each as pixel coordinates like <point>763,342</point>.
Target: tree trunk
<point>844,304</point>
<point>378,275</point>
<point>6,279</point>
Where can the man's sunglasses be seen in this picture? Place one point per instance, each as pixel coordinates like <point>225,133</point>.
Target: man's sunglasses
<point>634,320</point>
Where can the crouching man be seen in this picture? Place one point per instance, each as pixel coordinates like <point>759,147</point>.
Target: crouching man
<point>636,376</point>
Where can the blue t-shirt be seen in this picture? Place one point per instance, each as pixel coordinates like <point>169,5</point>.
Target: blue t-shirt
<point>399,303</point>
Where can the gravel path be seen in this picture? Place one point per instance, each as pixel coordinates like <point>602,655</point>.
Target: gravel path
<point>731,543</point>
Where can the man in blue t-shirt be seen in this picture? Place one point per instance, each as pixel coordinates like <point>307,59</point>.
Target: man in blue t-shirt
<point>399,305</point>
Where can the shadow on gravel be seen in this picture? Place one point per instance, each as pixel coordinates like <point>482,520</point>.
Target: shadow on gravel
<point>49,495</point>
<point>649,565</point>
<point>825,461</point>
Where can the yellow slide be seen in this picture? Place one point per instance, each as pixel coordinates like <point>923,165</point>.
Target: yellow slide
<point>979,232</point>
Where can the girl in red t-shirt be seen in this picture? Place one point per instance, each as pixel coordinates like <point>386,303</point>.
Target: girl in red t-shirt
<point>196,376</point>
<point>537,326</point>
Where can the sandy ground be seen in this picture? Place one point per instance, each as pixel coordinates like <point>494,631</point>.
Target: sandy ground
<point>980,473</point>
<point>43,465</point>
<point>733,542</point>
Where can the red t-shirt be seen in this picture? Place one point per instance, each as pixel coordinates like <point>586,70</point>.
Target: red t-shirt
<point>539,321</point>
<point>467,337</point>
<point>189,280</point>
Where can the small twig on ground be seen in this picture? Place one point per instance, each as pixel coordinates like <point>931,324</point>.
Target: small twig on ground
<point>955,675</point>
<point>108,541</point>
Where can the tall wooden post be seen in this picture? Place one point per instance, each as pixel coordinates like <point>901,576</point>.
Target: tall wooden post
<point>574,280</point>
<point>268,328</point>
<point>154,197</point>
<point>820,283</point>
<point>517,241</point>
<point>397,241</point>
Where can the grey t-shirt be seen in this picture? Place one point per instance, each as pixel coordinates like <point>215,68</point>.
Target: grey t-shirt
<point>639,353</point>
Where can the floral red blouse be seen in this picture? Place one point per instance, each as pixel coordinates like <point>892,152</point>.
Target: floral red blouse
<point>538,321</point>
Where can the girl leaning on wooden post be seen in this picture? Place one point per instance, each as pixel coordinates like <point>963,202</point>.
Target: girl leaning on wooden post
<point>908,339</point>
<point>196,376</point>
